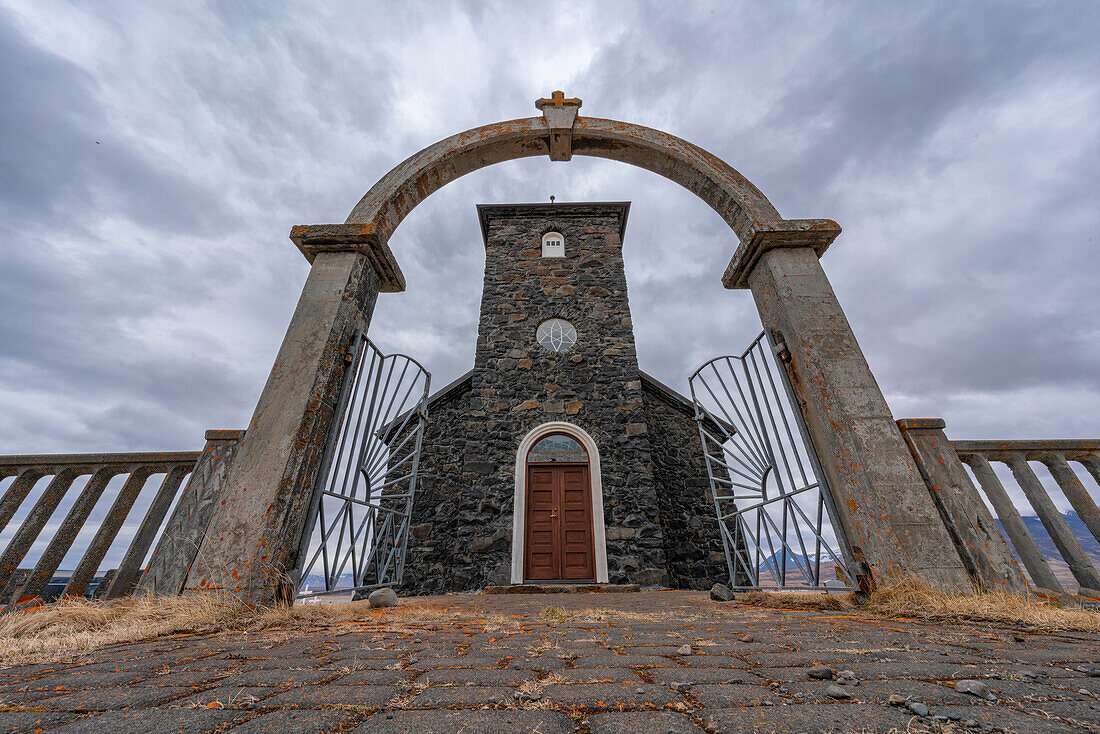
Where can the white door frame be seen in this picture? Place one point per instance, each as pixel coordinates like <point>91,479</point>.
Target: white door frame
<point>519,504</point>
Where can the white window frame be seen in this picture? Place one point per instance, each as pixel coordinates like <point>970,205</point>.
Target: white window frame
<point>553,244</point>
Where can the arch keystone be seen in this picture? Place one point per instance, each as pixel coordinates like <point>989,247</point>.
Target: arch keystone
<point>560,115</point>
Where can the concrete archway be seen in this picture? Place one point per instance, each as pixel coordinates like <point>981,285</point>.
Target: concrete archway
<point>561,133</point>
<point>867,461</point>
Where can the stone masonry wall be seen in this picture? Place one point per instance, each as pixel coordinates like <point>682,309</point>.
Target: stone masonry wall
<point>693,545</point>
<point>517,385</point>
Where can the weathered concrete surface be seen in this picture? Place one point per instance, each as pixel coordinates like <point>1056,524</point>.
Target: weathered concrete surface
<point>1074,490</point>
<point>252,541</point>
<point>1033,559</point>
<point>889,517</point>
<point>1072,553</point>
<point>129,569</point>
<point>178,544</point>
<point>713,180</point>
<point>587,664</point>
<point>63,539</point>
<point>979,543</point>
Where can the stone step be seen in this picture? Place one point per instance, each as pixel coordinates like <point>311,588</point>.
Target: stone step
<point>562,589</point>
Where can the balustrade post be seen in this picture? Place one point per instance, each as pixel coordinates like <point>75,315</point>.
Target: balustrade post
<point>32,526</point>
<point>18,492</point>
<point>252,542</point>
<point>1074,491</point>
<point>1022,542</point>
<point>977,539</point>
<point>129,571</point>
<point>97,549</point>
<point>1052,520</point>
<point>886,511</point>
<point>1092,463</point>
<point>65,536</point>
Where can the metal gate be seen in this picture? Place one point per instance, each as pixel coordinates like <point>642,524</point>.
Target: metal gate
<point>772,501</point>
<point>357,530</point>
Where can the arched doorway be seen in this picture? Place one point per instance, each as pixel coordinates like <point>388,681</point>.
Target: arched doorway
<point>558,529</point>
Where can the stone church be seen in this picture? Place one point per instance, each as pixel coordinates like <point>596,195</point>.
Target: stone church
<point>556,458</point>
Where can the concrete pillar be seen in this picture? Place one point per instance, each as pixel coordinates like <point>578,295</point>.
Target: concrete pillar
<point>1056,527</point>
<point>1025,546</point>
<point>978,542</point>
<point>1074,491</point>
<point>886,511</point>
<point>252,541</point>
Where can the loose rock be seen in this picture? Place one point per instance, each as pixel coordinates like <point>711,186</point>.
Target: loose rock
<point>721,592</point>
<point>684,650</point>
<point>975,688</point>
<point>820,672</point>
<point>847,678</point>
<point>382,598</point>
<point>835,691</point>
<point>748,638</point>
<point>896,700</point>
<point>918,708</point>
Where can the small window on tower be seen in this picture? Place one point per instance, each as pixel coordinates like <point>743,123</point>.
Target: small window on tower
<point>553,245</point>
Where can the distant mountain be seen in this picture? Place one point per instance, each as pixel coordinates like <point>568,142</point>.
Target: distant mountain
<point>1050,551</point>
<point>316,581</point>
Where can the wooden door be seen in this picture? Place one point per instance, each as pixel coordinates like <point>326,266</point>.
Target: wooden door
<point>558,542</point>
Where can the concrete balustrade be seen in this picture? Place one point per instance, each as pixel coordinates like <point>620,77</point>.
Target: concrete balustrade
<point>65,470</point>
<point>1056,455</point>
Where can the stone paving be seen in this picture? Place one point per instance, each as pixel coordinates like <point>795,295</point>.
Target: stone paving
<point>577,663</point>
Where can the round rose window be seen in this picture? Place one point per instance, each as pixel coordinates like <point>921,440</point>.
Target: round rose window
<point>557,335</point>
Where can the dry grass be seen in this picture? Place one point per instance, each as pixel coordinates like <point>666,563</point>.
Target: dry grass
<point>74,627</point>
<point>811,600</point>
<point>915,599</point>
<point>918,600</point>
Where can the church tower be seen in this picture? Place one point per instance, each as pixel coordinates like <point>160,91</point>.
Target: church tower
<point>556,459</point>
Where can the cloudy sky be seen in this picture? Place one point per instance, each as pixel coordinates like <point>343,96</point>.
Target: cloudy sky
<point>154,156</point>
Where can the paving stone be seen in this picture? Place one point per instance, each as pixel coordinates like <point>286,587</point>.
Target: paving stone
<point>298,721</point>
<point>107,699</point>
<point>479,722</point>
<point>598,675</point>
<point>181,678</point>
<point>610,695</point>
<point>230,697</point>
<point>459,662</point>
<point>155,721</point>
<point>273,677</point>
<point>460,696</point>
<point>1084,711</point>
<point>1005,718</point>
<point>1031,690</point>
<point>649,722</point>
<point>492,677</point>
<point>805,719</point>
<point>333,695</point>
<point>18,722</point>
<point>542,662</point>
<point>374,677</point>
<point>693,676</point>
<point>622,661</point>
<point>878,692</point>
<point>713,661</point>
<point>732,695</point>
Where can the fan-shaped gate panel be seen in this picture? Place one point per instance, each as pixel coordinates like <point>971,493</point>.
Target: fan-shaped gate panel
<point>357,533</point>
<point>771,499</point>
